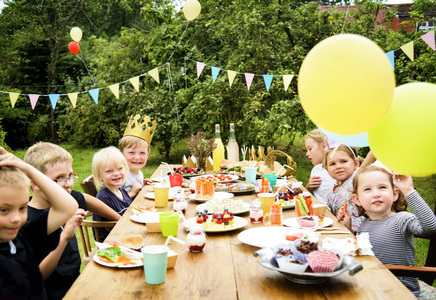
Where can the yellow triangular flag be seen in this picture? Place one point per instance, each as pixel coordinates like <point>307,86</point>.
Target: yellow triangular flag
<point>287,80</point>
<point>231,75</point>
<point>155,74</point>
<point>408,49</point>
<point>135,82</point>
<point>14,97</point>
<point>73,98</point>
<point>115,88</point>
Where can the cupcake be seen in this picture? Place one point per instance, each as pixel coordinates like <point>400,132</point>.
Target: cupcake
<point>307,222</point>
<point>301,249</point>
<point>323,261</point>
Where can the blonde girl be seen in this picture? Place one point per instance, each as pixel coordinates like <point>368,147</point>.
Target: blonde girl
<point>391,229</point>
<point>320,182</point>
<point>109,169</point>
<point>341,164</point>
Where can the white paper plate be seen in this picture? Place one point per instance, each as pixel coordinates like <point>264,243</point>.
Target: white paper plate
<point>246,208</point>
<point>239,223</point>
<point>136,263</point>
<point>217,195</point>
<point>148,217</point>
<point>271,235</point>
<point>151,196</point>
<point>292,222</point>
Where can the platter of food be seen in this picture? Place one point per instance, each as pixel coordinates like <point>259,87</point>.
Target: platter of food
<point>272,235</point>
<point>245,207</point>
<point>217,195</point>
<point>238,223</point>
<point>235,188</point>
<point>121,254</point>
<point>221,178</point>
<point>189,172</point>
<point>317,222</point>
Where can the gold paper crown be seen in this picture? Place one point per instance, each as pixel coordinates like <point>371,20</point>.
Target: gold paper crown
<point>137,129</point>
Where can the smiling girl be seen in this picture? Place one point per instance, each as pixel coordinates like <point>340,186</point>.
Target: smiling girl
<point>342,165</point>
<point>390,227</point>
<point>109,168</point>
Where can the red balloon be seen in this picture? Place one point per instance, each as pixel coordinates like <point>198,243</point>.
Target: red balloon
<point>74,47</point>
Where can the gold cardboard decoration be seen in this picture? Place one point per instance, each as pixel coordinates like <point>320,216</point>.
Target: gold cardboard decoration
<point>209,164</point>
<point>188,162</point>
<point>270,161</point>
<point>134,128</point>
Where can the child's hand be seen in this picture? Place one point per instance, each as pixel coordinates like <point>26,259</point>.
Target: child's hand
<point>147,181</point>
<point>72,224</point>
<point>404,184</point>
<point>136,187</point>
<point>344,217</point>
<point>314,182</point>
<point>8,159</point>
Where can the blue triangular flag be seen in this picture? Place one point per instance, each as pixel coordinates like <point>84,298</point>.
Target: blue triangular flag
<point>94,95</point>
<point>267,79</point>
<point>215,72</point>
<point>53,99</point>
<point>390,56</point>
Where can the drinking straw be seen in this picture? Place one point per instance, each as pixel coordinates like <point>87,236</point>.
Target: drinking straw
<point>336,148</point>
<point>170,237</point>
<point>161,177</point>
<point>284,167</point>
<point>167,166</point>
<point>183,217</point>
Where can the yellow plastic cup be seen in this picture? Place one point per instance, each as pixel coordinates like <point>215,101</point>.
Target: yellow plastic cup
<point>161,193</point>
<point>266,199</point>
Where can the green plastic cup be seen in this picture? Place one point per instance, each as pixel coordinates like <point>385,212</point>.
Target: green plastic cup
<point>155,263</point>
<point>169,223</point>
<point>272,179</point>
<point>250,174</point>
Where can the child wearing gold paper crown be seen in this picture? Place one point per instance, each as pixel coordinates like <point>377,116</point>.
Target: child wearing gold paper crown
<point>135,146</point>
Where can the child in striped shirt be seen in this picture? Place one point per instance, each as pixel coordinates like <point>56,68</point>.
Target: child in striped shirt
<point>391,229</point>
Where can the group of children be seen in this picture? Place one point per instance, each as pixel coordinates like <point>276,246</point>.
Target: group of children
<point>370,199</point>
<point>39,255</point>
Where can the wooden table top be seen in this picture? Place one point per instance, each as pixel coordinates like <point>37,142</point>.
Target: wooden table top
<point>226,269</point>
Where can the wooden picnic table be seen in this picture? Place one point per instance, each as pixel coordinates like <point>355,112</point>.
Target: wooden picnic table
<point>226,269</point>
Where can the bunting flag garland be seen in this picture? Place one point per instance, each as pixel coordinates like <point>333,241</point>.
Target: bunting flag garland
<point>53,99</point>
<point>268,80</point>
<point>232,75</point>
<point>390,56</point>
<point>33,99</point>
<point>155,74</point>
<point>115,88</point>
<point>249,78</point>
<point>429,39</point>
<point>200,67</point>
<point>287,80</point>
<point>135,82</point>
<point>408,50</point>
<point>94,94</point>
<point>215,72</point>
<point>73,98</point>
<point>13,97</point>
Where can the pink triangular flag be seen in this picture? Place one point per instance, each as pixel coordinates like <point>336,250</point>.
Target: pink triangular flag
<point>429,39</point>
<point>200,67</point>
<point>249,78</point>
<point>33,99</point>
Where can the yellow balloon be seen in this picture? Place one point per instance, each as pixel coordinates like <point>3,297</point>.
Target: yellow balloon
<point>76,34</point>
<point>191,9</point>
<point>346,84</point>
<point>405,138</point>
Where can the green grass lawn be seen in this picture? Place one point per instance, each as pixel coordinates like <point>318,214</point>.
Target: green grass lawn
<point>83,158</point>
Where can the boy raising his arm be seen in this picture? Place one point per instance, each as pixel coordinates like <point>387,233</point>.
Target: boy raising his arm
<point>20,276</point>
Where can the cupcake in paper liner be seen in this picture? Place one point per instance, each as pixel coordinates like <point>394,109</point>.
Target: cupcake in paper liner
<point>323,261</point>
<point>301,248</point>
<point>283,250</point>
<point>307,222</point>
<point>286,260</point>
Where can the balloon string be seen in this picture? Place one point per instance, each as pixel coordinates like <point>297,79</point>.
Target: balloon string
<point>178,42</point>
<point>86,67</point>
<point>345,19</point>
<point>337,146</point>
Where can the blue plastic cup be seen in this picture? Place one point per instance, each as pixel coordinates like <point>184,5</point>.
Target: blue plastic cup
<point>250,174</point>
<point>155,263</point>
<point>272,179</point>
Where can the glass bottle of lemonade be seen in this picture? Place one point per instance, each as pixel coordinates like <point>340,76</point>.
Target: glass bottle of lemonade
<point>233,147</point>
<point>218,153</point>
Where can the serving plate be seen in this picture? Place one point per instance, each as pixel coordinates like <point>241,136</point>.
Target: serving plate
<point>272,235</point>
<point>151,196</point>
<point>292,222</point>
<point>239,223</point>
<point>268,261</point>
<point>246,208</point>
<point>217,195</point>
<point>242,190</point>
